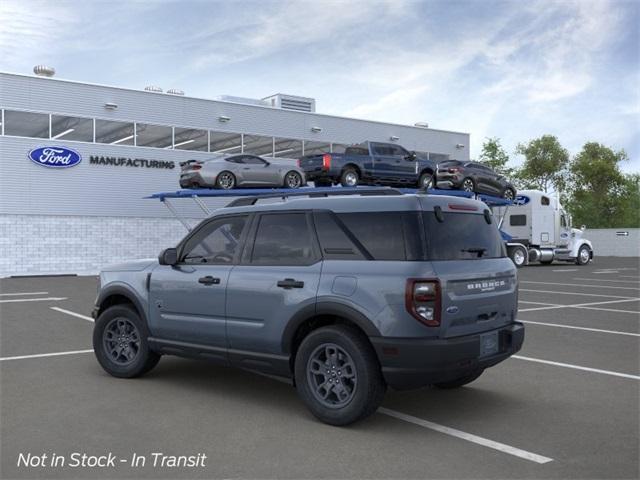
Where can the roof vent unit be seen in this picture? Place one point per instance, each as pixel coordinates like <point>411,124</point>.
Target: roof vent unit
<point>175,91</point>
<point>44,71</point>
<point>421,124</point>
<point>243,100</point>
<point>291,102</point>
<point>153,88</point>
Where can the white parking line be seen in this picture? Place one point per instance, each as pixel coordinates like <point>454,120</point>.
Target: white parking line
<point>633,312</point>
<point>41,355</point>
<point>47,299</point>
<point>73,314</point>
<point>582,305</point>
<point>581,285</point>
<point>485,442</point>
<point>540,303</point>
<point>576,293</point>
<point>628,276</point>
<point>605,272</point>
<point>23,293</point>
<point>598,330</point>
<point>578,367</point>
<point>566,270</point>
<point>605,280</point>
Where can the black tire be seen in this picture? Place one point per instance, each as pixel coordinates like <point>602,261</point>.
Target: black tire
<point>459,382</point>
<point>349,177</point>
<point>509,194</point>
<point>468,185</point>
<point>584,255</point>
<point>426,181</point>
<point>226,180</point>
<point>143,359</point>
<point>368,386</point>
<point>518,256</point>
<point>292,180</point>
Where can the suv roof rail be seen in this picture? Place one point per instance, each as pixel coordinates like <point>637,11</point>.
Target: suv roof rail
<point>317,192</point>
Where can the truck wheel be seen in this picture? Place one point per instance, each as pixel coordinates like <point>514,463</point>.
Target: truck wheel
<point>459,382</point>
<point>518,256</point>
<point>426,181</point>
<point>468,185</point>
<point>584,255</point>
<point>338,376</point>
<point>120,343</point>
<point>349,178</point>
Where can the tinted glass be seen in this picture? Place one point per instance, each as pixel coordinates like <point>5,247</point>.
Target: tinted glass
<point>357,151</point>
<point>461,236</point>
<point>283,239</point>
<point>223,142</point>
<point>251,160</point>
<point>545,201</point>
<point>190,139</point>
<point>258,145</point>
<point>217,243</point>
<point>518,220</point>
<point>314,148</point>
<point>26,124</point>
<point>287,148</point>
<point>381,234</point>
<point>334,242</point>
<point>148,135</point>
<point>71,128</point>
<point>114,133</point>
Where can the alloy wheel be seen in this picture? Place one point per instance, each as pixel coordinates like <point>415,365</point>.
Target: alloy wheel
<point>467,185</point>
<point>293,180</point>
<point>351,179</point>
<point>226,181</point>
<point>121,341</point>
<point>331,374</point>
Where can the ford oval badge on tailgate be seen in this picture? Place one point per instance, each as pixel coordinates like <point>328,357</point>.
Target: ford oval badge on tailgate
<point>55,157</point>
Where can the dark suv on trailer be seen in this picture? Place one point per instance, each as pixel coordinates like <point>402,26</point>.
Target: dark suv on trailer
<point>346,295</point>
<point>473,177</point>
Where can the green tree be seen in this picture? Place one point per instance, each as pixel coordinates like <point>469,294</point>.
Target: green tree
<point>545,164</point>
<point>600,195</point>
<point>495,157</point>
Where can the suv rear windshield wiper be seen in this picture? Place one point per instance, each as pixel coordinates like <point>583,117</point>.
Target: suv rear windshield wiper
<point>479,250</point>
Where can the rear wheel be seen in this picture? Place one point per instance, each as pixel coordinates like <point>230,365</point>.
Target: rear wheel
<point>468,185</point>
<point>226,180</point>
<point>459,382</point>
<point>508,194</point>
<point>120,343</point>
<point>349,178</point>
<point>338,376</point>
<point>426,181</point>
<point>293,179</point>
<point>584,255</point>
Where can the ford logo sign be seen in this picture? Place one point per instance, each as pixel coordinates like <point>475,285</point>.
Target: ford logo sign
<point>521,200</point>
<point>55,157</point>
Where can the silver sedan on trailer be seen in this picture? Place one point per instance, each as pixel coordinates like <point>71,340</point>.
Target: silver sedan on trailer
<point>239,171</point>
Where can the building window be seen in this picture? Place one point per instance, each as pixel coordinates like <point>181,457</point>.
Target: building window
<point>226,143</point>
<point>190,139</point>
<point>316,148</point>
<point>258,145</point>
<point>26,124</point>
<point>338,147</point>
<point>438,157</point>
<point>114,133</point>
<point>71,128</point>
<point>158,136</point>
<point>287,148</point>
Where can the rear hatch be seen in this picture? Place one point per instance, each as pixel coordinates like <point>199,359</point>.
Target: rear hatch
<point>478,283</point>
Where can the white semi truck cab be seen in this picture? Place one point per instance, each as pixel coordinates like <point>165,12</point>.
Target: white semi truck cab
<point>541,231</point>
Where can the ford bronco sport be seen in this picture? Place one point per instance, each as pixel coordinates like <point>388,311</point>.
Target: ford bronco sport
<point>346,295</point>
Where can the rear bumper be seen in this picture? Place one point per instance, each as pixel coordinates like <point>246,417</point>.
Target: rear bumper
<point>319,174</point>
<point>188,180</point>
<point>412,363</point>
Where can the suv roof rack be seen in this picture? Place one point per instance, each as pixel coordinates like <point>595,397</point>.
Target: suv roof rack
<point>315,193</point>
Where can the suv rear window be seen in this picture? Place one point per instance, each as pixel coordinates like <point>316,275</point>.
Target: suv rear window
<point>462,236</point>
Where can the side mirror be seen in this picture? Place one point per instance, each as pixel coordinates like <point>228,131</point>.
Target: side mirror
<point>411,157</point>
<point>169,256</point>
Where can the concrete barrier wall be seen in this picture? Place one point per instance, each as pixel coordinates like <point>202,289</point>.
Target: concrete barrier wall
<point>618,242</point>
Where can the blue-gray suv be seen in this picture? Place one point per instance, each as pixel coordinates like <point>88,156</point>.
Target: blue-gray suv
<point>346,295</point>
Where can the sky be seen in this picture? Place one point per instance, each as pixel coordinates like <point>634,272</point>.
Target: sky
<point>508,69</point>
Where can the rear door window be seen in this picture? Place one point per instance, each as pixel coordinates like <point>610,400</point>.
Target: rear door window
<point>461,236</point>
<point>283,239</point>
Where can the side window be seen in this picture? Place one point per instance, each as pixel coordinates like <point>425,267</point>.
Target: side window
<point>545,201</point>
<point>334,242</point>
<point>399,151</point>
<point>381,234</point>
<point>251,160</point>
<point>217,243</point>
<point>283,239</point>
<point>238,159</point>
<point>563,221</point>
<point>517,220</point>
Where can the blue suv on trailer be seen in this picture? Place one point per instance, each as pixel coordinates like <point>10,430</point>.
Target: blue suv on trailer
<point>346,295</point>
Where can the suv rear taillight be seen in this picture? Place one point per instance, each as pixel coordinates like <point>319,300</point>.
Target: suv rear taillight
<point>298,162</point>
<point>195,167</point>
<point>326,161</point>
<point>454,170</point>
<point>422,300</point>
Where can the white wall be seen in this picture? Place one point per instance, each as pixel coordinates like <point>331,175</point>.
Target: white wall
<point>607,243</point>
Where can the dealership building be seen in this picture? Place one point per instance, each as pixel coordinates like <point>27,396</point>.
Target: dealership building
<point>120,145</point>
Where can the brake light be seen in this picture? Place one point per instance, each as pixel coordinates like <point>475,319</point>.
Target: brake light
<point>196,167</point>
<point>298,162</point>
<point>422,301</point>
<point>454,170</point>
<point>326,161</point>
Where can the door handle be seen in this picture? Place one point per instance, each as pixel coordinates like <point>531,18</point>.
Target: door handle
<point>209,280</point>
<point>288,283</point>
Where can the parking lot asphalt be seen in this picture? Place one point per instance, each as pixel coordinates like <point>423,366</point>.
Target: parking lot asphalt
<point>567,406</point>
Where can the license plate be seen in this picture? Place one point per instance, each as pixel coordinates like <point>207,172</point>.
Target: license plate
<point>489,344</point>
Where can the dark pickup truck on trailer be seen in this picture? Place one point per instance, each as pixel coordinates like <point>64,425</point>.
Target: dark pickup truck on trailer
<point>369,163</point>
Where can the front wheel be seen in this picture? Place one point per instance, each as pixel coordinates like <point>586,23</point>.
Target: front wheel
<point>584,255</point>
<point>518,256</point>
<point>120,343</point>
<point>293,180</point>
<point>426,181</point>
<point>349,178</point>
<point>338,376</point>
<point>459,382</point>
<point>509,194</point>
